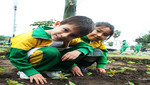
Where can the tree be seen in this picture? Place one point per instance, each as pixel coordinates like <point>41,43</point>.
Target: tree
<point>145,40</point>
<point>2,37</point>
<point>44,23</point>
<point>70,8</point>
<point>116,34</point>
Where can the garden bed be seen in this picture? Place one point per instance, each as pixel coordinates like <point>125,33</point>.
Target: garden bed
<point>138,77</point>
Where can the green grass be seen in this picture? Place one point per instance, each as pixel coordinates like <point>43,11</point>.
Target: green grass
<point>123,55</point>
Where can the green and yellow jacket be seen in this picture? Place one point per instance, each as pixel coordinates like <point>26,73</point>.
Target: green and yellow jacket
<point>22,43</point>
<point>99,45</point>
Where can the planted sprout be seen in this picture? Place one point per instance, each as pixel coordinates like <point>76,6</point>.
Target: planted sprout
<point>11,82</point>
<point>62,76</point>
<point>89,73</point>
<point>2,71</point>
<point>129,83</point>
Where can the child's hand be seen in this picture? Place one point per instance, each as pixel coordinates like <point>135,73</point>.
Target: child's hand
<point>38,77</point>
<point>100,70</point>
<point>76,71</point>
<point>71,55</point>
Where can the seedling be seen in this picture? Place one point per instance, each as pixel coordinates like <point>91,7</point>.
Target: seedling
<point>148,66</point>
<point>11,82</point>
<point>132,69</point>
<point>2,71</point>
<point>110,61</point>
<point>148,72</point>
<point>112,72</point>
<point>3,56</point>
<point>131,62</point>
<point>62,76</point>
<point>148,69</point>
<point>120,63</point>
<point>89,73</point>
<point>71,83</point>
<point>129,83</point>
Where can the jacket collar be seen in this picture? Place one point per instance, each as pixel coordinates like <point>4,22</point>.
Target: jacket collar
<point>40,32</point>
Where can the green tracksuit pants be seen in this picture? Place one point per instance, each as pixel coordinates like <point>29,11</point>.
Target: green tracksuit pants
<point>51,59</point>
<point>45,58</point>
<point>123,49</point>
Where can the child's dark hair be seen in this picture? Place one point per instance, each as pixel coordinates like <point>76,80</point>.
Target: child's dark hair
<point>106,24</point>
<point>83,23</point>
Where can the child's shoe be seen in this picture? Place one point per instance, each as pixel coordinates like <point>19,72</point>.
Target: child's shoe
<point>52,74</point>
<point>22,75</point>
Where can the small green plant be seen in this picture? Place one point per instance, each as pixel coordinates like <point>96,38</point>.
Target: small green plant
<point>11,82</point>
<point>148,69</point>
<point>71,83</point>
<point>120,63</point>
<point>129,65</point>
<point>131,62</point>
<point>148,72</point>
<point>62,76</point>
<point>89,73</point>
<point>110,61</point>
<point>148,66</point>
<point>113,72</point>
<point>129,83</point>
<point>2,71</point>
<point>3,56</point>
<point>132,69</point>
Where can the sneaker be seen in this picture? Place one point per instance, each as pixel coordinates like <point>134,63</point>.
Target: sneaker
<point>22,75</point>
<point>52,74</point>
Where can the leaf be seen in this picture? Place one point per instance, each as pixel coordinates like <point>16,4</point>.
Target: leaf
<point>89,73</point>
<point>148,72</point>
<point>71,83</point>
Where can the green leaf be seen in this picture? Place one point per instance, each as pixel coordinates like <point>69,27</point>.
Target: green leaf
<point>71,83</point>
<point>148,72</point>
<point>89,73</point>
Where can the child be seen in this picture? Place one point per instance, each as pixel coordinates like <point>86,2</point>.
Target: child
<point>42,57</point>
<point>124,46</point>
<point>137,48</point>
<point>102,31</point>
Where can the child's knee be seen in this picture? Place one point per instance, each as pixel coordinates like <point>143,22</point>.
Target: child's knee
<point>51,51</point>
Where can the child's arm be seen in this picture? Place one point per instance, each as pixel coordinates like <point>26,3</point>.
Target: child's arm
<point>80,48</point>
<point>101,62</point>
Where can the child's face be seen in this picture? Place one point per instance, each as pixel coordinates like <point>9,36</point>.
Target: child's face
<point>100,33</point>
<point>64,32</point>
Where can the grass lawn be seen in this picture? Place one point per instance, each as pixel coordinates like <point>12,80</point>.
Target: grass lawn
<point>120,55</point>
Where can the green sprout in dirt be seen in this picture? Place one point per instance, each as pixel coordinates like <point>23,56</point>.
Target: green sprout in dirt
<point>2,71</point>
<point>132,69</point>
<point>131,62</point>
<point>3,56</point>
<point>148,66</point>
<point>110,61</point>
<point>89,73</point>
<point>120,63</point>
<point>71,83</point>
<point>11,82</point>
<point>148,72</point>
<point>129,83</point>
<point>148,69</point>
<point>129,65</point>
<point>113,72</point>
<point>62,76</point>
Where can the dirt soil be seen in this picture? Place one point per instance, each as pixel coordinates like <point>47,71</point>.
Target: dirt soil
<point>139,77</point>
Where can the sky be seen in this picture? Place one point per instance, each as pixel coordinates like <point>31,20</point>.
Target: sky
<point>131,17</point>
